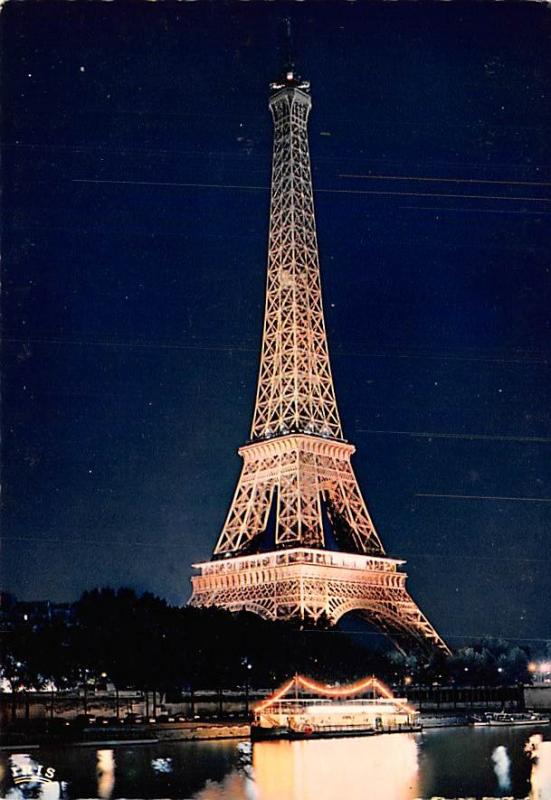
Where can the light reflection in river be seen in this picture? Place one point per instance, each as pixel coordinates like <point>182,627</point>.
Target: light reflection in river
<point>540,779</point>
<point>502,766</point>
<point>233,786</point>
<point>450,763</point>
<point>373,767</point>
<point>366,768</point>
<point>106,773</point>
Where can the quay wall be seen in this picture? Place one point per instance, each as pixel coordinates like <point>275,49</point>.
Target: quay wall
<point>538,697</point>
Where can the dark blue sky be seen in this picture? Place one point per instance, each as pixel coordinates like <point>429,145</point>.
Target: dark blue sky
<point>137,147</point>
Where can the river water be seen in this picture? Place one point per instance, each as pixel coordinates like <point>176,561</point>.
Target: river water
<point>446,763</point>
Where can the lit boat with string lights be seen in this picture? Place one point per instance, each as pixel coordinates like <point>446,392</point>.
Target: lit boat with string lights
<point>305,709</point>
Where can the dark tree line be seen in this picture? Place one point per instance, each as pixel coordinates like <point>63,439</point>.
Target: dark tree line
<point>142,642</point>
<point>489,662</point>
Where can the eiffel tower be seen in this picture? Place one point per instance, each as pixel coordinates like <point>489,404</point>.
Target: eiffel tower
<point>297,495</point>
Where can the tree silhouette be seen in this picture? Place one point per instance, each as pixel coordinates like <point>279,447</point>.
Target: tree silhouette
<point>141,642</point>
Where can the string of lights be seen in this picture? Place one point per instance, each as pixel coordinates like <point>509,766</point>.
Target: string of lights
<point>348,690</point>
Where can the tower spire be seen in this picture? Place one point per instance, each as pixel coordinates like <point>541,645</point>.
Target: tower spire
<point>289,62</point>
<point>295,387</point>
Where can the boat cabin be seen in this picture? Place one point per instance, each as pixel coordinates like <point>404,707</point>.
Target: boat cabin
<point>305,706</point>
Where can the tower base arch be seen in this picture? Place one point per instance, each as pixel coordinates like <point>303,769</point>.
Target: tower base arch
<point>315,585</point>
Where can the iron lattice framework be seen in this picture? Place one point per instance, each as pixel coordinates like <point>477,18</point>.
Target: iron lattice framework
<point>295,388</point>
<point>297,477</point>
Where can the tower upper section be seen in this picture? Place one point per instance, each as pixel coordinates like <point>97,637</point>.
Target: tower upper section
<point>295,387</point>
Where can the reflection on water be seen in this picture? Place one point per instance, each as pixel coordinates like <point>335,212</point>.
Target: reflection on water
<point>162,764</point>
<point>235,786</point>
<point>106,773</point>
<point>462,762</point>
<point>378,767</point>
<point>502,765</point>
<point>540,779</point>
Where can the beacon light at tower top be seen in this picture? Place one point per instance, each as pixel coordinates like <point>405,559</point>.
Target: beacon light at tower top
<point>348,690</point>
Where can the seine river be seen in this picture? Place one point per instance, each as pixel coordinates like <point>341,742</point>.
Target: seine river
<point>448,763</point>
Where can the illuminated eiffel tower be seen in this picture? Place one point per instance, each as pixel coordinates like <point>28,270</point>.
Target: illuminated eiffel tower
<point>297,494</point>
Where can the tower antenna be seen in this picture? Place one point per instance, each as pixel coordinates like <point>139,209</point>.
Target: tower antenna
<point>289,62</point>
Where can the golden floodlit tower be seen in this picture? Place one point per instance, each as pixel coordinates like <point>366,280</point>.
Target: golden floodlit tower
<point>298,541</point>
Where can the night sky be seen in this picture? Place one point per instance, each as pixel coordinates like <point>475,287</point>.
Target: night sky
<point>136,158</point>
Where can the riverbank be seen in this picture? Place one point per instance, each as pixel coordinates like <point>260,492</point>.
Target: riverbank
<point>448,762</point>
<point>62,732</point>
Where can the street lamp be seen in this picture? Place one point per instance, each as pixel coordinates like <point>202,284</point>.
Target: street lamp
<point>247,666</point>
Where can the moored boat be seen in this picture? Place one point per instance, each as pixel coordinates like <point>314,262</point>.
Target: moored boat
<point>333,711</point>
<point>506,718</point>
